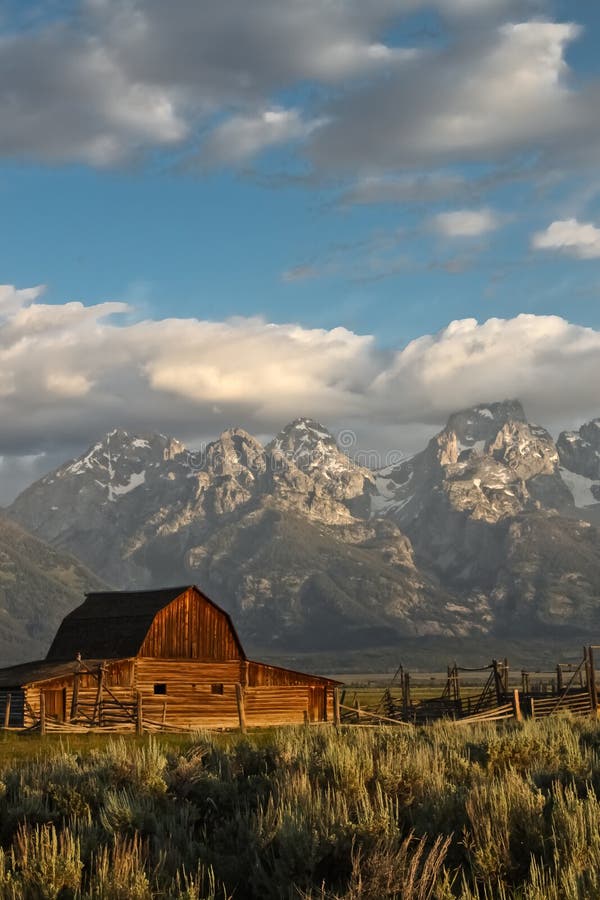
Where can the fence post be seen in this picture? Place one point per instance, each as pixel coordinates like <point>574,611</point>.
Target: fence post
<point>42,713</point>
<point>139,720</point>
<point>336,706</point>
<point>239,696</point>
<point>532,708</point>
<point>7,712</point>
<point>559,680</point>
<point>407,689</point>
<point>497,682</point>
<point>75,695</point>
<point>98,704</point>
<point>594,689</point>
<point>588,676</point>
<point>517,706</point>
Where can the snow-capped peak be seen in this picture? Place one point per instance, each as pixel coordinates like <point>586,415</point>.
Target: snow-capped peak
<point>119,463</point>
<point>310,446</point>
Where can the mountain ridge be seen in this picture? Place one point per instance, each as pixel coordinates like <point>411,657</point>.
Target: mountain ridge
<point>304,546</point>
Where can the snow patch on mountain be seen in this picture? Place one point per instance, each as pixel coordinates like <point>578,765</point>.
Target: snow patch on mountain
<point>136,479</point>
<point>581,488</point>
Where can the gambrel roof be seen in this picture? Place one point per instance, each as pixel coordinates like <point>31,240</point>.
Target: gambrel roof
<point>114,625</point>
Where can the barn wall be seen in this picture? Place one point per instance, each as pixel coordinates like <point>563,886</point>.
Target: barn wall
<point>190,700</point>
<point>188,693</point>
<point>287,705</point>
<point>118,677</point>
<point>191,628</point>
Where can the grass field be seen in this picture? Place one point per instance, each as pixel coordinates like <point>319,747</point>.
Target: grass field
<point>308,812</point>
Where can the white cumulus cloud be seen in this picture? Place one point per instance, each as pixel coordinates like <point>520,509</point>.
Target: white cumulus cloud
<point>579,239</point>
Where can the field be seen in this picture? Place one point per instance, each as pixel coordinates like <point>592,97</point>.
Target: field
<point>309,813</point>
<point>368,689</point>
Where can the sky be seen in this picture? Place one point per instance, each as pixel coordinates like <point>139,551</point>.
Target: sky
<point>220,214</point>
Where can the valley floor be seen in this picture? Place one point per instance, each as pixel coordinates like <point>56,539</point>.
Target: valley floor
<point>307,813</point>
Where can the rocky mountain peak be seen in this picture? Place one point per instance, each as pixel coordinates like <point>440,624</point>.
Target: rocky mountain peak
<point>234,452</point>
<point>120,449</point>
<point>580,450</point>
<point>527,450</point>
<point>481,423</point>
<point>311,448</point>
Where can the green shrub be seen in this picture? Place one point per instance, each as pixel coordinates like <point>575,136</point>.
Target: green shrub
<point>445,812</point>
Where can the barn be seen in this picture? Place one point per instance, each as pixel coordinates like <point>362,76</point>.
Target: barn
<point>157,659</point>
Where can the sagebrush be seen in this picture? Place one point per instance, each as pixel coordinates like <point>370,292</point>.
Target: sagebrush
<point>307,813</point>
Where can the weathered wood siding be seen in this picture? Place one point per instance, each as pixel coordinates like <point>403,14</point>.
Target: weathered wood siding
<point>191,628</point>
<point>277,705</point>
<point>118,677</point>
<point>190,698</point>
<point>261,674</point>
<point>185,692</point>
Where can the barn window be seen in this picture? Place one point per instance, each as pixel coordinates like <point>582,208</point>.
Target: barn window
<point>160,689</point>
<point>216,688</point>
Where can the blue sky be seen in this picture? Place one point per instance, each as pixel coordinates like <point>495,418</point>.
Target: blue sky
<point>384,168</point>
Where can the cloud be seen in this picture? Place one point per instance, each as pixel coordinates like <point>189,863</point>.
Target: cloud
<point>466,223</point>
<point>66,97</point>
<point>458,104</point>
<point>94,371</point>
<point>579,239</point>
<point>113,79</point>
<point>546,361</point>
<point>423,187</point>
<point>120,77</point>
<point>242,137</point>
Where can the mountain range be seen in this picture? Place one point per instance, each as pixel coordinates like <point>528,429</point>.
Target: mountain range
<point>490,530</point>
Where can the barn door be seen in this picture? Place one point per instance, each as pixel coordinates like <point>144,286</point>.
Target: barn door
<point>316,704</point>
<point>56,704</point>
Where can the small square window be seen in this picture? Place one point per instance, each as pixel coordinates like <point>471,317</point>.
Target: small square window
<point>160,689</point>
<point>216,688</point>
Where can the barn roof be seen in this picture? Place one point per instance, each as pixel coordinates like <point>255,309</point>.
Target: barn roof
<point>40,670</point>
<point>113,625</point>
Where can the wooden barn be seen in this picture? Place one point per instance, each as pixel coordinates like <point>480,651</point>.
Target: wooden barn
<point>156,659</point>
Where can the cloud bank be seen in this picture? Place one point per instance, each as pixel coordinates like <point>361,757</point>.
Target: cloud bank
<point>70,372</point>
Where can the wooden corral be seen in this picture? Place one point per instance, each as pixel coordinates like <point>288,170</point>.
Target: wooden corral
<point>168,659</point>
<point>571,688</point>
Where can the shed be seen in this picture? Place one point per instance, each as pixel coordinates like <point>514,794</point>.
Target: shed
<point>167,658</point>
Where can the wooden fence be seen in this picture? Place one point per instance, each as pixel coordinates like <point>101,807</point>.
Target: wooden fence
<point>572,690</point>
